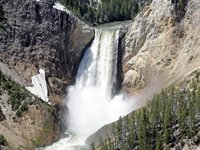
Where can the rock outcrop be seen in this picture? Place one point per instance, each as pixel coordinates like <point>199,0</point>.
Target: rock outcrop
<point>38,36</point>
<point>162,47</point>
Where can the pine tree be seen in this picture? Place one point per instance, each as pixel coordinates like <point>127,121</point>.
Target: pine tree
<point>132,134</point>
<point>158,142</point>
<point>167,120</point>
<point>197,103</point>
<point>192,113</point>
<point>106,11</point>
<point>143,129</point>
<point>182,115</point>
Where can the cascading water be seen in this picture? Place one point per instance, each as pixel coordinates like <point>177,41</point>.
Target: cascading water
<point>91,101</point>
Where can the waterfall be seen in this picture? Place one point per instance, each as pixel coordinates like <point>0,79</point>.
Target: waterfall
<point>99,65</point>
<point>91,101</point>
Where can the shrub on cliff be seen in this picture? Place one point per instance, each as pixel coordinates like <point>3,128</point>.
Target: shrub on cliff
<point>2,141</point>
<point>2,116</point>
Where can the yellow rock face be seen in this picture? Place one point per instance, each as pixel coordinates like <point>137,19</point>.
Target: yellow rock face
<point>161,49</point>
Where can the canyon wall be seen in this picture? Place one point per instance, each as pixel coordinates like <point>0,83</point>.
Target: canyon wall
<point>162,46</point>
<point>35,35</point>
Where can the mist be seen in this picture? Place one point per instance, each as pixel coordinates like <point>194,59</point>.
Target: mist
<point>91,101</point>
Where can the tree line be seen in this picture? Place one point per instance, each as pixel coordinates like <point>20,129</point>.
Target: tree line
<point>169,120</point>
<point>106,10</point>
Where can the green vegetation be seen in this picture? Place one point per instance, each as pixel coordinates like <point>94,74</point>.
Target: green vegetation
<point>106,11</point>
<point>180,4</point>
<point>167,121</point>
<point>19,97</point>
<point>48,128</point>
<point>2,116</point>
<point>2,141</point>
<point>39,142</point>
<point>180,8</point>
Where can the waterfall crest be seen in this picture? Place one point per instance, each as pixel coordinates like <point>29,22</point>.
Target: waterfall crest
<point>91,101</point>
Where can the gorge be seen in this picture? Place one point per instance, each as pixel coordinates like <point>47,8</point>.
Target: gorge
<point>92,101</point>
<point>82,78</point>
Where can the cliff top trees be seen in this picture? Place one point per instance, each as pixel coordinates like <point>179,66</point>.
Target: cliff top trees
<point>105,11</point>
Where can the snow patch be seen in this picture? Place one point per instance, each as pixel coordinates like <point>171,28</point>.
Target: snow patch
<point>39,87</point>
<point>61,7</point>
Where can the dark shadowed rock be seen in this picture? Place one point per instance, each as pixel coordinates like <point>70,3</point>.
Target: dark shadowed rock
<point>36,35</point>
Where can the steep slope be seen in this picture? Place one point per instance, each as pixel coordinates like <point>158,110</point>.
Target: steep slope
<point>162,46</point>
<point>36,35</point>
<point>25,121</point>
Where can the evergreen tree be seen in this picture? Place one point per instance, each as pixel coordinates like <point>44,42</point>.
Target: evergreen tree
<point>153,126</point>
<point>158,142</point>
<point>182,115</point>
<point>106,11</point>
<point>167,121</point>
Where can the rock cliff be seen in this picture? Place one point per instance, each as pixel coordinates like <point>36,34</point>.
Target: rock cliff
<point>162,46</point>
<point>36,35</point>
<point>26,122</point>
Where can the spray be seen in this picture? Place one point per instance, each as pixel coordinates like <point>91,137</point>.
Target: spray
<point>91,101</point>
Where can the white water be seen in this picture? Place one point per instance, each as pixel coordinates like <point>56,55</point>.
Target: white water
<point>90,101</point>
<point>60,7</point>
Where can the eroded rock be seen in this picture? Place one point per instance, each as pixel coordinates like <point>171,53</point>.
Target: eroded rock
<point>159,46</point>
